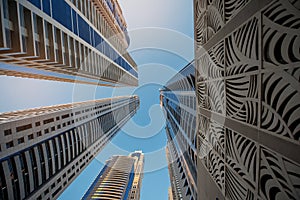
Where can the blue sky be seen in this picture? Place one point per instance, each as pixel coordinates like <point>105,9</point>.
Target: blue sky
<point>161,34</point>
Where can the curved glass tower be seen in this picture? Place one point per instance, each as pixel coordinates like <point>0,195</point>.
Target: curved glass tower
<point>178,98</point>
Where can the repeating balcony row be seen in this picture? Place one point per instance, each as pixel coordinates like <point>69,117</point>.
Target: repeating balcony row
<point>184,80</point>
<point>106,20</point>
<point>34,166</point>
<point>180,169</point>
<point>42,43</point>
<point>19,134</point>
<point>91,13</point>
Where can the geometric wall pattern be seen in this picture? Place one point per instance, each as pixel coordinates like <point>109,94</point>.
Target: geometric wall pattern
<point>247,58</point>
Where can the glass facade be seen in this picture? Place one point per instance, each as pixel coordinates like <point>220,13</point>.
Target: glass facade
<point>178,98</point>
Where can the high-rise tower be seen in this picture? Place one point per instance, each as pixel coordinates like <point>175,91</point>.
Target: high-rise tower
<point>63,40</point>
<point>42,150</point>
<point>178,98</point>
<point>248,99</point>
<point>121,178</point>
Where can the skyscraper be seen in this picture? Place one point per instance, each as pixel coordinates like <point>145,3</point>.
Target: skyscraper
<point>83,41</point>
<point>121,178</point>
<point>42,150</point>
<point>178,98</point>
<point>248,99</point>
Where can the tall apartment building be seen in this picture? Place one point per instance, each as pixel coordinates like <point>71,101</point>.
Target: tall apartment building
<point>42,150</point>
<point>121,178</point>
<point>248,98</point>
<point>178,98</point>
<point>66,40</point>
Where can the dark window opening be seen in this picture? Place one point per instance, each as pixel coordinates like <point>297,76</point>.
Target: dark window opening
<point>24,127</point>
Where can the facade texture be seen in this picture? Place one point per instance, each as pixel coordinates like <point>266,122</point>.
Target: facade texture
<point>73,40</point>
<point>178,98</point>
<point>44,149</point>
<point>121,178</point>
<point>248,98</point>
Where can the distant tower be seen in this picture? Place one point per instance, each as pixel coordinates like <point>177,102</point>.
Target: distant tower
<point>42,150</point>
<point>178,98</point>
<point>62,40</point>
<point>121,178</point>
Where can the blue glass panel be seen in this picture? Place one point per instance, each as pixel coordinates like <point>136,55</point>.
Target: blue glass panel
<point>37,3</point>
<point>62,13</point>
<point>46,7</point>
<point>128,188</point>
<point>74,16</point>
<point>98,42</point>
<point>92,36</point>
<point>84,30</point>
<point>110,5</point>
<point>94,183</point>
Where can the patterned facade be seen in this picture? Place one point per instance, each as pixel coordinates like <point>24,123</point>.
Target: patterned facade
<point>248,98</point>
<point>178,99</point>
<point>121,178</point>
<point>42,150</point>
<point>66,40</point>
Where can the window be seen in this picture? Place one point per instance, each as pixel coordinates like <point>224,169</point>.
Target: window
<point>14,177</point>
<point>65,116</point>
<point>7,132</point>
<point>46,191</point>
<point>42,161</point>
<point>9,144</point>
<point>25,174</point>
<point>49,157</point>
<point>3,188</point>
<point>21,140</point>
<point>36,35</point>
<point>30,137</point>
<point>34,168</point>
<point>47,121</point>
<point>24,127</point>
<point>39,133</point>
